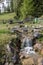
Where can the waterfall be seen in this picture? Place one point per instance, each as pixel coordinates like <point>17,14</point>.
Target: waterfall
<point>26,42</point>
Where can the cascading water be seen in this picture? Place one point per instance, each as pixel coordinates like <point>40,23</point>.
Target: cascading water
<point>26,42</point>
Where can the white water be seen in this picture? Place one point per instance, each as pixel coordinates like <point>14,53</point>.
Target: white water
<point>26,42</point>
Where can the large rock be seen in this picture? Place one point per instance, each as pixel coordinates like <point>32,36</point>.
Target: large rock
<point>28,61</point>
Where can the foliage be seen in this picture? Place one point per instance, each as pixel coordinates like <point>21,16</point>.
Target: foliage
<point>38,8</point>
<point>27,8</point>
<point>24,8</point>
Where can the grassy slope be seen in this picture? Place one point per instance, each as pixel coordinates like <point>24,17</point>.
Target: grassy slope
<point>7,16</point>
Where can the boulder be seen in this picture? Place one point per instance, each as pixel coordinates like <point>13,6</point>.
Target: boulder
<point>28,61</point>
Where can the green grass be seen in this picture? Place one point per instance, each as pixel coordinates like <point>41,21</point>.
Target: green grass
<point>7,16</point>
<point>4,31</point>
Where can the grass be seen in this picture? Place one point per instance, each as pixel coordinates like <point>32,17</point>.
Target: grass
<point>5,35</point>
<point>5,38</point>
<point>4,31</point>
<point>7,16</point>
